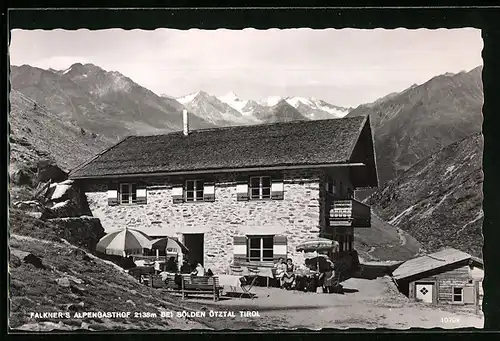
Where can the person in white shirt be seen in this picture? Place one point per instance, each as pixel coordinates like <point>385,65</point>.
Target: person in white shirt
<point>199,270</point>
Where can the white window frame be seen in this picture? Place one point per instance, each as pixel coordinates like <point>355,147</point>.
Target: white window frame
<point>130,192</point>
<point>461,294</point>
<point>260,197</point>
<point>196,184</point>
<point>261,248</point>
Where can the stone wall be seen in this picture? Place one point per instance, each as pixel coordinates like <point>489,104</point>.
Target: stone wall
<point>297,216</point>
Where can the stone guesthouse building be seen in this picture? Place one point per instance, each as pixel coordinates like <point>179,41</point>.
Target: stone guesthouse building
<point>237,194</point>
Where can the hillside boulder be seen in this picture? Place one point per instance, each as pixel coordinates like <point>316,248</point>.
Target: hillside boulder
<point>83,231</point>
<point>49,170</point>
<point>22,177</point>
<point>65,199</point>
<point>33,208</point>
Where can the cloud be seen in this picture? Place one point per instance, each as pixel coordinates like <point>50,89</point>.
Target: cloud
<point>328,64</point>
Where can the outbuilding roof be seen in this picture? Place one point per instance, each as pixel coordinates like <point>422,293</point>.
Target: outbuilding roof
<point>430,262</point>
<point>295,143</point>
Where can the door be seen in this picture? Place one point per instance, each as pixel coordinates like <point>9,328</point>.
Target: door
<point>424,292</point>
<point>195,243</point>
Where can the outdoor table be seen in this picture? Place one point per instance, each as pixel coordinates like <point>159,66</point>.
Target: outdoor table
<point>249,270</point>
<point>231,281</point>
<point>262,271</point>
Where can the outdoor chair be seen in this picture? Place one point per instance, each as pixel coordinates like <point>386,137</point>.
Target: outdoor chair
<point>247,286</point>
<point>236,270</point>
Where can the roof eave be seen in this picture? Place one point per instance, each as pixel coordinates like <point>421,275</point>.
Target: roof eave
<point>222,170</point>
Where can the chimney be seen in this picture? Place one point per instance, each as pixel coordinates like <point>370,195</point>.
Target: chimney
<point>185,121</point>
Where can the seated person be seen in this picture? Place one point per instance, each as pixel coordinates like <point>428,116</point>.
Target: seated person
<point>280,270</point>
<point>327,277</point>
<point>185,268</point>
<point>289,276</point>
<point>171,265</point>
<point>209,273</point>
<point>199,270</point>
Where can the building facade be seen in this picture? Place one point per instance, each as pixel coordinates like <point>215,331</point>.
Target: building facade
<point>256,212</point>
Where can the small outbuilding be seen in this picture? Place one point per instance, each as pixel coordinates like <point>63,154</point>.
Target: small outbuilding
<point>448,276</point>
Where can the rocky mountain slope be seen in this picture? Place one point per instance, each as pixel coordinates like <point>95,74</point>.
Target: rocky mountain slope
<point>280,112</point>
<point>422,119</point>
<point>439,199</point>
<point>37,133</point>
<point>106,103</point>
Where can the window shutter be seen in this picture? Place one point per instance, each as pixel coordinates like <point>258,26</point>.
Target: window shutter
<point>468,294</point>
<point>277,189</point>
<point>141,193</point>
<point>279,247</point>
<point>209,191</point>
<point>177,193</point>
<point>239,249</point>
<point>112,194</point>
<point>242,189</point>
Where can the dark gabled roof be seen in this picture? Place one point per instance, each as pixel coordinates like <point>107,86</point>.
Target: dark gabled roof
<point>432,261</point>
<point>278,144</point>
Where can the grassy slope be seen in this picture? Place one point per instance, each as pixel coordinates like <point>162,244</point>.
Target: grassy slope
<point>48,134</point>
<point>100,285</point>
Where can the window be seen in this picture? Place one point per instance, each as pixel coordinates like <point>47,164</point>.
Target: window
<point>330,186</point>
<point>194,190</point>
<point>340,240</point>
<point>458,294</point>
<point>128,193</point>
<point>260,248</point>
<point>260,187</point>
<point>349,242</point>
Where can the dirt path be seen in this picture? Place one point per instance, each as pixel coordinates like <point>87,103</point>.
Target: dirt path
<point>375,305</point>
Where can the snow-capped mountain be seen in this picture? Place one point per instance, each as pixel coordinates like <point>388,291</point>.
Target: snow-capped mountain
<point>234,101</point>
<point>213,110</point>
<point>280,112</point>
<point>311,108</point>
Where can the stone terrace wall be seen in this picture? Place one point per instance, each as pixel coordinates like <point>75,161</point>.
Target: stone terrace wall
<point>297,216</point>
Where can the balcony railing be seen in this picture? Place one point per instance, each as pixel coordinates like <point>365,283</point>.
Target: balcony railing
<point>350,212</point>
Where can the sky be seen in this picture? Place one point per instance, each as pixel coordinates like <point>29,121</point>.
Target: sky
<point>346,67</point>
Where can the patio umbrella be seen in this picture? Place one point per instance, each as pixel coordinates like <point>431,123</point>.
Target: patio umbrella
<point>316,245</point>
<point>170,245</point>
<point>123,242</point>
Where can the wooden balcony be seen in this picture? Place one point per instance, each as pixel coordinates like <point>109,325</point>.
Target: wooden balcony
<point>349,212</point>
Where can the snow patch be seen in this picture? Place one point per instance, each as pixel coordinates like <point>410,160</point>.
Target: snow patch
<point>67,70</point>
<point>430,210</point>
<point>399,216</point>
<point>270,101</point>
<point>316,104</point>
<point>188,98</point>
<point>295,101</point>
<point>449,170</point>
<point>233,101</point>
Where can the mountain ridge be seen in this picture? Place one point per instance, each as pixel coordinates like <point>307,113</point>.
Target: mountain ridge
<point>422,119</point>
